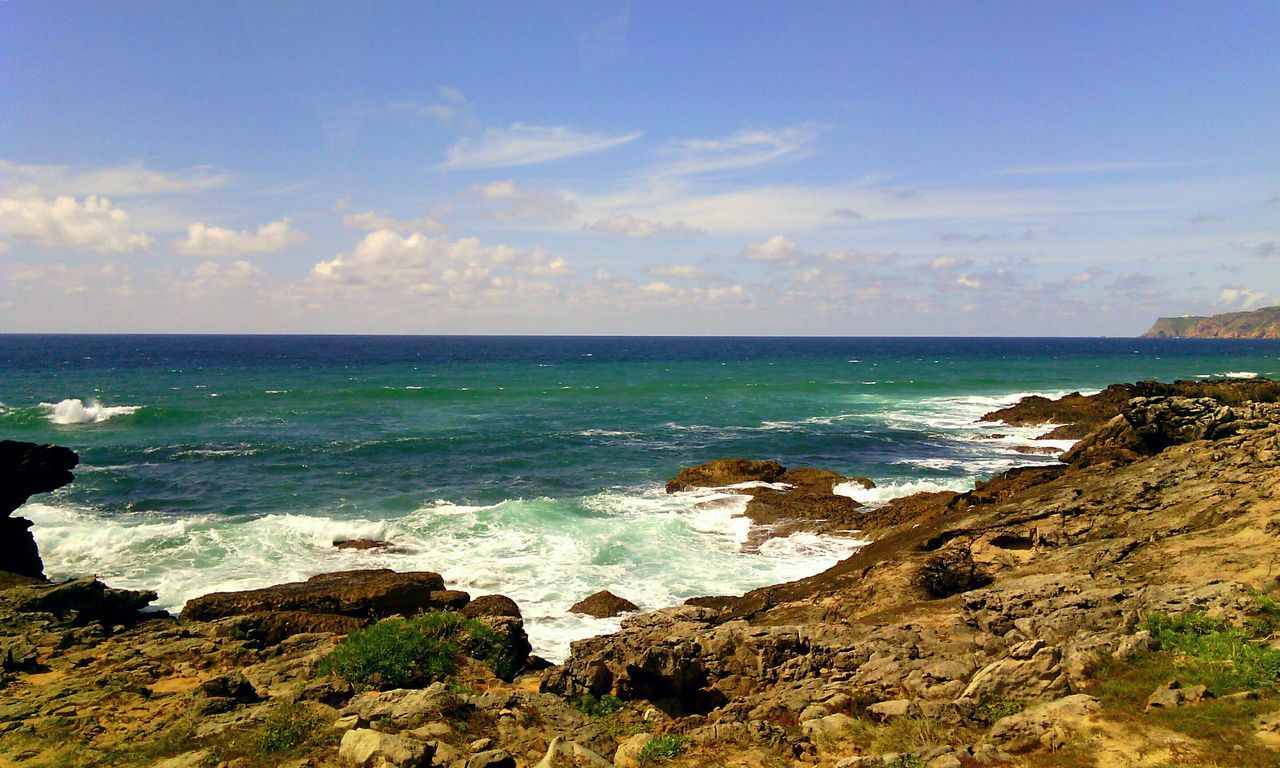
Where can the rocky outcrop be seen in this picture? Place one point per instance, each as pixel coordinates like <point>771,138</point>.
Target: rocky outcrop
<point>780,502</point>
<point>1261,323</point>
<point>27,469</point>
<point>722,472</point>
<point>362,594</point>
<point>1015,591</point>
<point>603,605</point>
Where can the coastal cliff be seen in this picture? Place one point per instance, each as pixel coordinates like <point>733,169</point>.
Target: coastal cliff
<point>1116,609</point>
<point>1258,324</point>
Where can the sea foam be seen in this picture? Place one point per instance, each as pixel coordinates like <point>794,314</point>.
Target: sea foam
<point>76,411</point>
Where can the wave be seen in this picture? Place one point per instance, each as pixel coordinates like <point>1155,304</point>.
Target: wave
<point>75,411</point>
<point>654,548</point>
<point>896,489</point>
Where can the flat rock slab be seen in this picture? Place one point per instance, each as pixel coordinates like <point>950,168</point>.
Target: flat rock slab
<point>368,594</point>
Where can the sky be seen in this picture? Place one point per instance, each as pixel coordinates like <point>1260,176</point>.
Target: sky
<point>605,167</point>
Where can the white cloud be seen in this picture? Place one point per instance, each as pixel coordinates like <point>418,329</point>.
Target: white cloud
<point>528,145</point>
<point>968,282</point>
<point>94,225</point>
<point>130,180</point>
<point>204,240</point>
<point>1236,296</point>
<point>95,280</point>
<point>776,248</point>
<point>222,276</point>
<point>684,271</point>
<point>850,256</point>
<point>626,225</point>
<point>460,269</point>
<point>370,220</point>
<point>516,204</point>
<point>949,262</point>
<point>1087,276</point>
<point>745,149</point>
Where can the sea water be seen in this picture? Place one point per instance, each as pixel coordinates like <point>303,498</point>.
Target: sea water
<point>528,466</point>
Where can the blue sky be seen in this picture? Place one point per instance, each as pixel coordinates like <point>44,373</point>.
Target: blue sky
<point>611,167</point>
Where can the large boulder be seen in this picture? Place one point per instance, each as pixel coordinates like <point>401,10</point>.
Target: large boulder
<point>25,470</point>
<point>364,594</point>
<point>721,472</point>
<point>603,605</point>
<point>80,602</point>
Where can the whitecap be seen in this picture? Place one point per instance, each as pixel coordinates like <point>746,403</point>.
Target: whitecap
<point>1241,374</point>
<point>896,489</point>
<point>76,411</point>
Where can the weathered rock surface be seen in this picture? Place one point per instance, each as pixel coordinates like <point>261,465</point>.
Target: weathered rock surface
<point>603,605</point>
<point>1262,323</point>
<point>363,594</point>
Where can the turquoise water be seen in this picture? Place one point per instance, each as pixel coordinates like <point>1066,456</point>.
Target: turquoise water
<point>523,465</point>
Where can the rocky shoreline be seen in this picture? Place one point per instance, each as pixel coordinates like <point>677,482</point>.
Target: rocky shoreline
<point>1063,615</point>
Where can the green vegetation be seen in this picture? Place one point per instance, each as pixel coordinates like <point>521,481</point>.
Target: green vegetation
<point>596,706</point>
<point>909,761</point>
<point>991,709</point>
<point>662,748</point>
<point>287,727</point>
<point>404,653</point>
<point>1216,654</point>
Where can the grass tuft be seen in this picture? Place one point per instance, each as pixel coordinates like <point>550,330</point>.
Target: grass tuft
<point>662,748</point>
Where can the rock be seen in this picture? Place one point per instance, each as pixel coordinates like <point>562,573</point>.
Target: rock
<point>491,758</point>
<point>365,748</point>
<point>403,707</point>
<point>83,601</point>
<point>603,605</point>
<point>570,754</point>
<point>1175,694</point>
<point>887,710</point>
<point>491,605</point>
<point>835,726</point>
<point>25,470</point>
<point>722,472</point>
<point>196,759</point>
<point>1267,729</point>
<point>628,752</point>
<point>945,761</point>
<point>364,594</point>
<point>17,652</point>
<point>951,572</point>
<point>272,628</point>
<point>232,685</point>
<point>1035,726</point>
<point>330,690</point>
<point>362,544</point>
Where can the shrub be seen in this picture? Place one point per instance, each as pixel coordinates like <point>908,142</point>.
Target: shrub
<point>404,653</point>
<point>289,726</point>
<point>596,707</point>
<point>662,748</point>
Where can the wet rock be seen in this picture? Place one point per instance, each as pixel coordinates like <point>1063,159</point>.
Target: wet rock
<point>362,544</point>
<point>491,605</point>
<point>722,472</point>
<point>603,605</point>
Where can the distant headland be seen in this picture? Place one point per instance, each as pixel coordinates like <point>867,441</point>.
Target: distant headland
<point>1261,323</point>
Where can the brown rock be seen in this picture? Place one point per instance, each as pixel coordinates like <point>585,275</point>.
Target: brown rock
<point>491,605</point>
<point>366,594</point>
<point>362,544</point>
<point>603,605</point>
<point>722,472</point>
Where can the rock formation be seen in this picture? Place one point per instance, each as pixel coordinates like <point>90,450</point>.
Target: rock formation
<point>1261,323</point>
<point>603,605</point>
<point>25,470</point>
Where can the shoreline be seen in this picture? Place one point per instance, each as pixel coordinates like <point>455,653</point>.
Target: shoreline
<point>1017,591</point>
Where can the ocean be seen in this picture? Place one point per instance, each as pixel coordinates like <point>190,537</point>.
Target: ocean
<point>528,466</point>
